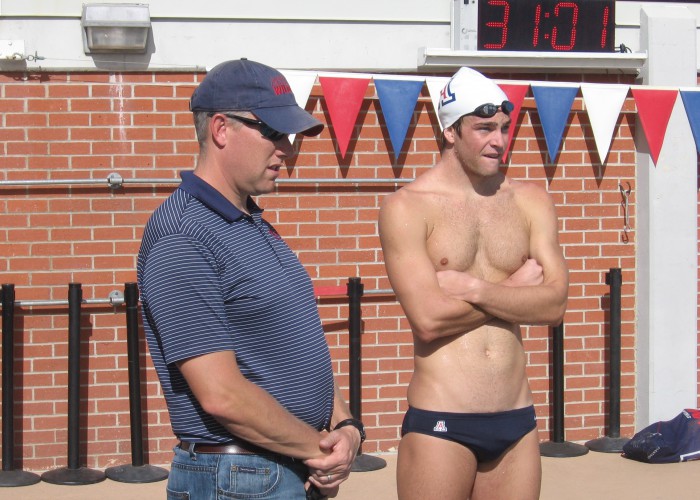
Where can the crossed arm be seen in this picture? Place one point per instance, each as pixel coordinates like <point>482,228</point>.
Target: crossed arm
<point>431,312</point>
<point>445,303</point>
<point>537,292</point>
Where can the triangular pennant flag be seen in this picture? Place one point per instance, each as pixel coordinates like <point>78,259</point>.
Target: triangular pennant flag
<point>654,108</point>
<point>435,85</point>
<point>603,103</point>
<point>516,95</point>
<point>301,82</point>
<point>691,101</point>
<point>398,101</point>
<point>344,98</point>
<point>553,106</point>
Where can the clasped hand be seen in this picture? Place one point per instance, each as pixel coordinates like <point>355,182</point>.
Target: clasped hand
<point>339,448</point>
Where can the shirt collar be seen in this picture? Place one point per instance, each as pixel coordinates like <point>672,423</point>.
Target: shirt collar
<point>213,199</point>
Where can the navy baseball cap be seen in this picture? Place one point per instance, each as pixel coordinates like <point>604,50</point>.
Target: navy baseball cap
<point>243,85</point>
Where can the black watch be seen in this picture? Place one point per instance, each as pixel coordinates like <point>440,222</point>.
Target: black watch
<point>356,424</point>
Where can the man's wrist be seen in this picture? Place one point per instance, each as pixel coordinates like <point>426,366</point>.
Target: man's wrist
<point>353,422</point>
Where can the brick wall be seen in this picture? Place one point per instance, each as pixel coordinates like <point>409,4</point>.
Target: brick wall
<point>87,125</point>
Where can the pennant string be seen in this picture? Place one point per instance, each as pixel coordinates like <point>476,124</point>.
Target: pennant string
<point>344,94</point>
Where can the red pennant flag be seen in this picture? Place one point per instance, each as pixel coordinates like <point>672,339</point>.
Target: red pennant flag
<point>654,108</point>
<point>344,98</point>
<point>516,95</point>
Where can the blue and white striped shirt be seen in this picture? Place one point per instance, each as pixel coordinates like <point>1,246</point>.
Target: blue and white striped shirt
<point>214,279</point>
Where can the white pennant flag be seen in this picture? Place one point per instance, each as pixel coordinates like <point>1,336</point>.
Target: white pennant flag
<point>301,82</point>
<point>435,85</point>
<point>603,104</point>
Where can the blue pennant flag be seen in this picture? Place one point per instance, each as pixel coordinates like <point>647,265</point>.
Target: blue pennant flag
<point>553,106</point>
<point>398,101</point>
<point>691,101</point>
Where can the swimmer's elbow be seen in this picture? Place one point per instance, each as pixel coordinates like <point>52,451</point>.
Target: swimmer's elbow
<point>556,315</point>
<point>552,321</point>
<point>427,331</point>
<point>426,336</point>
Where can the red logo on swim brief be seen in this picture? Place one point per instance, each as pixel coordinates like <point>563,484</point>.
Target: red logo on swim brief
<point>440,426</point>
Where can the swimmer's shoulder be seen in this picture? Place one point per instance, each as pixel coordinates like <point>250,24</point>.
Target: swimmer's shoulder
<point>418,194</point>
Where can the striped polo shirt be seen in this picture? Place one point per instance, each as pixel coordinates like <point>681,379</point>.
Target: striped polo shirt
<point>215,279</point>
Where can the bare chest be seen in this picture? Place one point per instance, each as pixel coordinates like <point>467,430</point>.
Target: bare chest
<point>490,239</point>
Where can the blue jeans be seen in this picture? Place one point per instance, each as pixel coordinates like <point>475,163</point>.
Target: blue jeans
<point>208,476</point>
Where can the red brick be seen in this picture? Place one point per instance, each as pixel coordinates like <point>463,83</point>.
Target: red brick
<point>138,124</point>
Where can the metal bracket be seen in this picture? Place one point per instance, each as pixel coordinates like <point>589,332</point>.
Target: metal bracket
<point>12,50</point>
<point>625,208</point>
<point>115,181</point>
<point>116,298</point>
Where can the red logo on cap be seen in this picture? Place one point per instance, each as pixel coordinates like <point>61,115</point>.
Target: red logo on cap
<point>446,95</point>
<point>280,86</point>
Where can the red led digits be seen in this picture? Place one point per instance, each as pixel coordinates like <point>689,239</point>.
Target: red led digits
<point>536,29</point>
<point>545,25</point>
<point>604,33</point>
<point>574,22</point>
<point>503,24</point>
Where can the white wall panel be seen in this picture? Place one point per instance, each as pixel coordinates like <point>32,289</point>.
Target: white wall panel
<point>356,35</point>
<point>368,10</point>
<point>174,44</point>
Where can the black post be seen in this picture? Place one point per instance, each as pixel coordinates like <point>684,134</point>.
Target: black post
<point>75,297</point>
<point>73,474</point>
<point>137,472</point>
<point>558,447</point>
<point>355,292</point>
<point>9,476</point>
<point>362,462</point>
<point>612,442</point>
<point>614,280</point>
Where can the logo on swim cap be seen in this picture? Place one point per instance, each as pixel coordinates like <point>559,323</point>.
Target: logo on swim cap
<point>464,92</point>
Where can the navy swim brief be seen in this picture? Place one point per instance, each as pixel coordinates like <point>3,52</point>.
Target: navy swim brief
<point>487,435</point>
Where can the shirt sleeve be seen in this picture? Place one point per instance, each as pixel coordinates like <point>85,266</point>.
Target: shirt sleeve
<point>181,288</point>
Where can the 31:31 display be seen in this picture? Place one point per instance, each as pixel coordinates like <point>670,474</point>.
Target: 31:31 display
<point>546,25</point>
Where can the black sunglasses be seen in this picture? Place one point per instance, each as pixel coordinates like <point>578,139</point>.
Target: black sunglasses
<point>489,110</point>
<point>266,131</point>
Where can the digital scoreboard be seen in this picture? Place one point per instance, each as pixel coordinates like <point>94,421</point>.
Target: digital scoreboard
<point>534,25</point>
